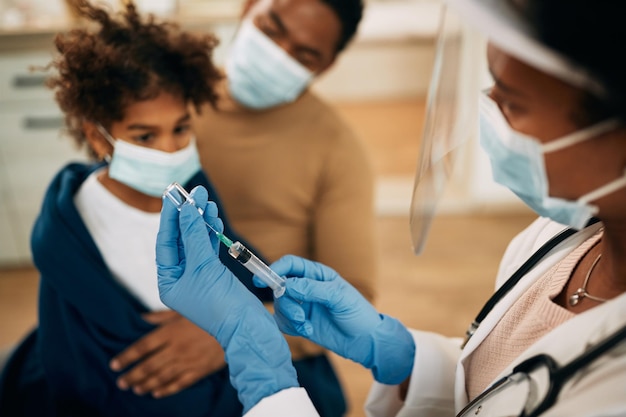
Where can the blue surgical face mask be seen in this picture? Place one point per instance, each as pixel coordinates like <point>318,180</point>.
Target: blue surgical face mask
<point>517,162</point>
<point>260,73</point>
<point>150,171</point>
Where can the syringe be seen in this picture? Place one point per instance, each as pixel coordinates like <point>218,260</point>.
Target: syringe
<point>178,195</point>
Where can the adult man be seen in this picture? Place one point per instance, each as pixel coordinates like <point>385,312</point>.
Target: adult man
<point>293,177</point>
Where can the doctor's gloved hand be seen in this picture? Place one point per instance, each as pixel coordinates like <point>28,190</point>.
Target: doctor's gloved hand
<point>324,308</point>
<point>194,282</point>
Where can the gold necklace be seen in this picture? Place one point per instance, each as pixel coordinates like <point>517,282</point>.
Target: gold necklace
<point>581,293</point>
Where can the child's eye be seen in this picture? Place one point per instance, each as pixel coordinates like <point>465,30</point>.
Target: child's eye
<point>182,129</point>
<point>146,137</point>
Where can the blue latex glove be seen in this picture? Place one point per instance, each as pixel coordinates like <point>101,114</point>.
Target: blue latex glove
<point>326,309</point>
<point>194,282</point>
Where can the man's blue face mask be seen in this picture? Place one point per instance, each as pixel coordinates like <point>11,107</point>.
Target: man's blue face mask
<point>260,73</point>
<point>517,162</point>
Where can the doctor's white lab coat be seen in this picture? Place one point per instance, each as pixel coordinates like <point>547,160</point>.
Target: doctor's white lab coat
<point>437,385</point>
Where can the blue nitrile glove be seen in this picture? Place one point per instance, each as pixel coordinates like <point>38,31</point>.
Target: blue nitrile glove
<point>324,308</point>
<point>194,282</point>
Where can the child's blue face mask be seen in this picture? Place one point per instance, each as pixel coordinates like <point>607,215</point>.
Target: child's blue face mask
<point>150,171</point>
<point>517,162</point>
<point>260,73</point>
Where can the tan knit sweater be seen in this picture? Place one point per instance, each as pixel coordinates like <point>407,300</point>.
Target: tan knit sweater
<point>294,180</point>
<point>531,317</point>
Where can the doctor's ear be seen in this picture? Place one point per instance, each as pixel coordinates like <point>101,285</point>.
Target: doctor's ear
<point>101,147</point>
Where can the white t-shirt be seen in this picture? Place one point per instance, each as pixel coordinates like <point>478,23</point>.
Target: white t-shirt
<point>126,238</point>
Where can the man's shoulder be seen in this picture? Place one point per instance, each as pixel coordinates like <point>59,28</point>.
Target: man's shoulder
<point>310,99</point>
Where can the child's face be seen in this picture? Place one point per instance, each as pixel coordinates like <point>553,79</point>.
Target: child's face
<point>162,123</point>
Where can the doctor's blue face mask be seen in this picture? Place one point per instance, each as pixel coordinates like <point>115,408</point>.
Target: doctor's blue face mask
<point>517,162</point>
<point>260,73</point>
<point>150,171</point>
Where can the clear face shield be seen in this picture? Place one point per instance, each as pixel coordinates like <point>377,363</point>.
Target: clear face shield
<point>459,74</point>
<point>450,122</point>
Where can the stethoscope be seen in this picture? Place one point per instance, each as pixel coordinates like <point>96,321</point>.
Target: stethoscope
<point>557,375</point>
<point>538,397</point>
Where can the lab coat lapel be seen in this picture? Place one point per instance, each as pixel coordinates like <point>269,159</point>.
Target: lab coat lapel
<point>509,299</point>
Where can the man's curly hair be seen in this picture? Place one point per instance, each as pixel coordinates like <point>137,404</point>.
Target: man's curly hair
<point>117,60</point>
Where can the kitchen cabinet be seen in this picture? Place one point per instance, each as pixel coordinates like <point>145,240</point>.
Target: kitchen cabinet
<point>32,148</point>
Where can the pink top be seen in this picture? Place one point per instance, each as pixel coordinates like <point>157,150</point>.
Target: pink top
<point>531,317</point>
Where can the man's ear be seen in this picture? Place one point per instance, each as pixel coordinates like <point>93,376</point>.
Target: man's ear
<point>96,140</point>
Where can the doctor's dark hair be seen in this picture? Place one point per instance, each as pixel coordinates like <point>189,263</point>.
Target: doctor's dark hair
<point>350,13</point>
<point>592,34</point>
<point>112,61</point>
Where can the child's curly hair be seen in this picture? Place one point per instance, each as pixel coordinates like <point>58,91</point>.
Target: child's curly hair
<point>124,60</point>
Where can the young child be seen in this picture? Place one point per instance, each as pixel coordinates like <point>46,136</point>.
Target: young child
<point>105,344</point>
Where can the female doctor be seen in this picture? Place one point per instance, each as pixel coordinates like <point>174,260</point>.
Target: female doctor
<point>550,340</point>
